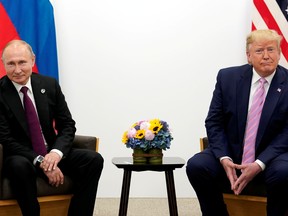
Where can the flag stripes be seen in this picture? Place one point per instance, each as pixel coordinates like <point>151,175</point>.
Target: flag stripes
<point>267,14</point>
<point>33,22</point>
<point>7,32</point>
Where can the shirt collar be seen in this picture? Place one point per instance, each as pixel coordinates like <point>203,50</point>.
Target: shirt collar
<point>18,86</point>
<point>256,77</point>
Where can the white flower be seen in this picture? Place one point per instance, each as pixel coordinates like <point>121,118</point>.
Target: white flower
<point>144,125</point>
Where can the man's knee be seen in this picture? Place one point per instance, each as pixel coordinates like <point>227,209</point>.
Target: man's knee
<point>277,171</point>
<point>91,160</point>
<point>98,161</point>
<point>194,168</point>
<point>19,166</point>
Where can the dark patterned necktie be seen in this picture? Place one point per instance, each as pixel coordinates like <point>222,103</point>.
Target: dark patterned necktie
<point>33,124</point>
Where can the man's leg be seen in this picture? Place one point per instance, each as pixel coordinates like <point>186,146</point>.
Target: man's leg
<point>22,175</point>
<point>276,174</point>
<point>205,174</point>
<point>84,167</point>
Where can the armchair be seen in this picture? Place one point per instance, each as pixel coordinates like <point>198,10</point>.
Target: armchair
<point>53,201</point>
<point>252,203</point>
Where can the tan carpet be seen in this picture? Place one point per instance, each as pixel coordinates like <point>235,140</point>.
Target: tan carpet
<point>146,207</point>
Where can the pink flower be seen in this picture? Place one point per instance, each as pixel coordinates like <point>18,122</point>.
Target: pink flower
<point>149,135</point>
<point>131,132</point>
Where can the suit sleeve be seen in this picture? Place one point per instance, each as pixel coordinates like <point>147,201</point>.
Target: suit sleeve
<point>215,121</point>
<point>60,131</point>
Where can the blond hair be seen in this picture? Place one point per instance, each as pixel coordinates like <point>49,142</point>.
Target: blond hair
<point>264,34</point>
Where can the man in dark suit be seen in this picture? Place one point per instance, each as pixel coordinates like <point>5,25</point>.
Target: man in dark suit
<point>221,166</point>
<point>22,163</point>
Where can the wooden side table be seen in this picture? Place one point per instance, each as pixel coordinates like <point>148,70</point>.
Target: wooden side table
<point>167,166</point>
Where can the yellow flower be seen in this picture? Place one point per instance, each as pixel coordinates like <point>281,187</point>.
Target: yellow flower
<point>155,126</point>
<point>124,137</point>
<point>140,134</point>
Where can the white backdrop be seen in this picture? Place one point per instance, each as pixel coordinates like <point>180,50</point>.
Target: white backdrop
<point>121,61</point>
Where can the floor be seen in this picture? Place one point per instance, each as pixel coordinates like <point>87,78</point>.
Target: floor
<point>146,207</point>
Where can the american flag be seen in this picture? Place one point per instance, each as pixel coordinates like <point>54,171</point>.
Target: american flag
<point>273,14</point>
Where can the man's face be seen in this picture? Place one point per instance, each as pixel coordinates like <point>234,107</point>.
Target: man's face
<point>18,63</point>
<point>264,56</point>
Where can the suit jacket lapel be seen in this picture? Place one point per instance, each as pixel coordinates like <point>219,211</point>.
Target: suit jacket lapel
<point>242,95</point>
<point>41,101</point>
<point>275,90</point>
<point>11,96</point>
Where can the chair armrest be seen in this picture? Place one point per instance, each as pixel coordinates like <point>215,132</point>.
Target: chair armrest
<point>86,142</point>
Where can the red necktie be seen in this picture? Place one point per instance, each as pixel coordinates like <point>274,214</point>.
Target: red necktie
<point>33,124</point>
<point>253,123</point>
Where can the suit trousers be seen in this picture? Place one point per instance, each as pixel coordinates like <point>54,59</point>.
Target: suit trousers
<point>209,181</point>
<point>83,166</point>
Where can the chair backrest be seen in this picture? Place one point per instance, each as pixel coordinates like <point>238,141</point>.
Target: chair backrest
<point>86,142</point>
<point>203,143</point>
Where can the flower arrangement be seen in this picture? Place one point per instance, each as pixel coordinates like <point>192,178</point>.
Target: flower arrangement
<point>148,134</point>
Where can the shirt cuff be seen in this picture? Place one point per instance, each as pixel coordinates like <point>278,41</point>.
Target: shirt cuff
<point>58,152</point>
<point>261,164</point>
<point>226,157</point>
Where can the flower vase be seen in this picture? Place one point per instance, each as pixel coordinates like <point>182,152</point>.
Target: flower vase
<point>156,156</point>
<point>150,156</point>
<point>139,156</point>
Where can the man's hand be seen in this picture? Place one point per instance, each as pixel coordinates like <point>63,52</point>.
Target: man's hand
<point>230,170</point>
<point>55,177</point>
<point>50,161</point>
<point>249,171</point>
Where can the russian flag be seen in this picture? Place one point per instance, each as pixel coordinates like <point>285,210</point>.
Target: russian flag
<point>33,22</point>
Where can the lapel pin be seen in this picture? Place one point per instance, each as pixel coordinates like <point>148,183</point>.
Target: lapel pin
<point>279,90</point>
<point>43,91</point>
